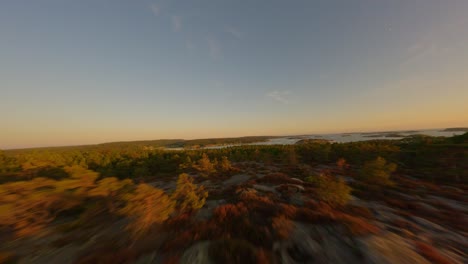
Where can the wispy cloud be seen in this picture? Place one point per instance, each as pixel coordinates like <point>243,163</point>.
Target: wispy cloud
<point>420,51</point>
<point>176,23</point>
<point>214,48</point>
<point>234,32</point>
<point>279,96</point>
<point>155,8</point>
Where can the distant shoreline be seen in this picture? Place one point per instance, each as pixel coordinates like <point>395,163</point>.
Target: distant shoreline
<point>456,129</point>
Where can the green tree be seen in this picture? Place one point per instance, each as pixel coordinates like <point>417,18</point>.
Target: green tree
<point>377,172</point>
<point>331,190</point>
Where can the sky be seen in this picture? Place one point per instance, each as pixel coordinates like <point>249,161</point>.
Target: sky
<point>92,71</point>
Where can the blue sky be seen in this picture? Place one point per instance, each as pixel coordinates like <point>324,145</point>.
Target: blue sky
<point>90,71</point>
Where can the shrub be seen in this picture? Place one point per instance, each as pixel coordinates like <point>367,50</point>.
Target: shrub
<point>342,164</point>
<point>282,227</point>
<point>358,226</point>
<point>331,190</point>
<point>28,206</point>
<point>377,172</point>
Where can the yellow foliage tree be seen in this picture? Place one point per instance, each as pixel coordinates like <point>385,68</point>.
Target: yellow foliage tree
<point>225,164</point>
<point>188,196</point>
<point>146,206</point>
<point>204,166</point>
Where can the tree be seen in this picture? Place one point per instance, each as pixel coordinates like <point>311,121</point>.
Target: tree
<point>188,196</point>
<point>7,163</point>
<point>377,172</point>
<point>204,165</point>
<point>225,164</point>
<point>146,206</point>
<point>331,190</point>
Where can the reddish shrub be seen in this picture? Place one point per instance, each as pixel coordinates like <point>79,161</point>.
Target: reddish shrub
<point>430,253</point>
<point>229,211</point>
<point>288,211</point>
<point>359,211</point>
<point>179,240</point>
<point>282,227</point>
<point>263,256</point>
<point>172,259</point>
<point>358,226</point>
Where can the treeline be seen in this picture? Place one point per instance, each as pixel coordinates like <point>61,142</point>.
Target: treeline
<point>437,159</point>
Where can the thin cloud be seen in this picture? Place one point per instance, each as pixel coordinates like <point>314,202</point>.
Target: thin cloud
<point>156,9</point>
<point>234,32</point>
<point>420,51</point>
<point>176,23</point>
<point>279,96</point>
<point>214,48</point>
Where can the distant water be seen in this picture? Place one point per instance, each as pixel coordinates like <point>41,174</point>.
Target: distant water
<point>354,137</point>
<point>344,137</point>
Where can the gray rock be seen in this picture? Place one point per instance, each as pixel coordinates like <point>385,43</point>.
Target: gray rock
<point>460,206</point>
<point>389,248</point>
<point>264,188</point>
<point>316,244</point>
<point>297,199</point>
<point>236,179</point>
<point>428,224</point>
<point>197,254</point>
<point>291,187</point>
<point>297,181</point>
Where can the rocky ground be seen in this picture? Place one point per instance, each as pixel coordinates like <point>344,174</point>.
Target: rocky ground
<point>416,223</point>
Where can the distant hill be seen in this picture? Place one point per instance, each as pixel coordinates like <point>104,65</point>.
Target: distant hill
<point>159,143</point>
<point>456,129</point>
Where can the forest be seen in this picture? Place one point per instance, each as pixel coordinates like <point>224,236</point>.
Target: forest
<point>135,202</point>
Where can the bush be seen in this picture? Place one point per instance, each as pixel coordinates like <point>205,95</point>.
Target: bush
<point>377,172</point>
<point>331,190</point>
<point>145,207</point>
<point>282,227</point>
